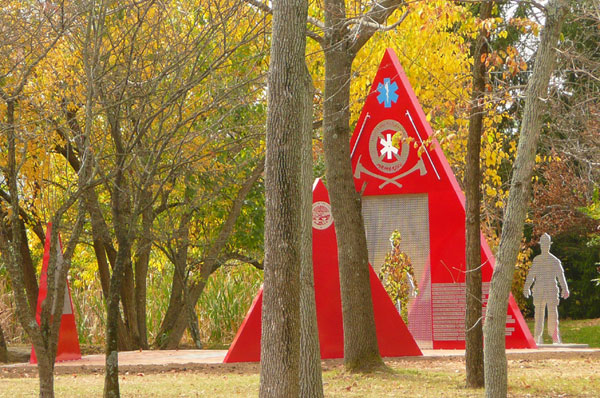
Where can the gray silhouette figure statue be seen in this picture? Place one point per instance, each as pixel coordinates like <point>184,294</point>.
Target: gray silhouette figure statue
<point>545,271</point>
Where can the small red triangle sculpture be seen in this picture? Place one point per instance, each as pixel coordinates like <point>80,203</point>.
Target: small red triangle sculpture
<point>408,185</point>
<point>392,334</point>
<point>68,342</point>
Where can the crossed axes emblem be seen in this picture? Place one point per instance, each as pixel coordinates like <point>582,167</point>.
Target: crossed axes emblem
<point>360,169</point>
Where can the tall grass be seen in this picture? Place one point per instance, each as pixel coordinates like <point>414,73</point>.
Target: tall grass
<point>225,302</point>
<point>221,308</point>
<point>88,305</point>
<point>157,301</point>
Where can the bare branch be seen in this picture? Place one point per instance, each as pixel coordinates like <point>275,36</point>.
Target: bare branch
<point>311,20</point>
<point>369,22</point>
<point>373,21</point>
<point>244,259</point>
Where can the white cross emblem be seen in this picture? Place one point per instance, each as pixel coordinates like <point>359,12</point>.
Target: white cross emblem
<point>388,149</point>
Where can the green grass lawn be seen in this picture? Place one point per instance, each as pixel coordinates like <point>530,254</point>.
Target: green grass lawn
<point>561,376</point>
<point>567,377</point>
<point>583,331</point>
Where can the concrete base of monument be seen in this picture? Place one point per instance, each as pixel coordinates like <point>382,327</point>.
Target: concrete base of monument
<point>563,345</point>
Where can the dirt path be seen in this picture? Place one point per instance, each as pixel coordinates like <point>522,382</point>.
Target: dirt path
<point>210,362</point>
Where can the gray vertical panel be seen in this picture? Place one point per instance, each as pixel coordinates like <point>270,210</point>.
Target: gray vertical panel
<point>409,214</point>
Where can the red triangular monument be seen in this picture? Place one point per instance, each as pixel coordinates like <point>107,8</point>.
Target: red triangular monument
<point>417,193</point>
<point>392,334</point>
<point>68,342</point>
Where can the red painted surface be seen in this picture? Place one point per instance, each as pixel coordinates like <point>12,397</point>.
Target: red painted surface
<point>68,341</point>
<point>246,344</point>
<point>384,176</point>
<point>392,334</point>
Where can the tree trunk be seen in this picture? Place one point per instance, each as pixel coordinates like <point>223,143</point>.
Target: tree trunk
<point>17,234</point>
<point>101,239</point>
<point>121,211</point>
<point>28,269</point>
<point>103,271</point>
<point>46,375</point>
<point>29,274</point>
<point>164,340</point>
<point>473,315</point>
<point>3,347</point>
<point>44,336</point>
<point>518,199</point>
<point>129,303</point>
<point>361,351</point>
<point>311,381</point>
<point>141,271</point>
<point>192,318</point>
<point>280,342</point>
<point>175,321</point>
<point>111,377</point>
<point>184,317</point>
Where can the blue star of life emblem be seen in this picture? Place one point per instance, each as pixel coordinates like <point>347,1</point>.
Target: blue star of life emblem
<point>387,93</point>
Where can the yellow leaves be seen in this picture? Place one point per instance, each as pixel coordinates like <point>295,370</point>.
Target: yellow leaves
<point>398,139</point>
<point>491,159</point>
<point>490,24</point>
<point>525,25</point>
<point>72,107</point>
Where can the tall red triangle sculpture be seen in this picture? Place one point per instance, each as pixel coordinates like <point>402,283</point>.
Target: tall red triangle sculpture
<point>417,193</point>
<point>392,334</point>
<point>68,342</point>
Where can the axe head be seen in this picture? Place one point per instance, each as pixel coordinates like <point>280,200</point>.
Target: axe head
<point>357,171</point>
<point>359,168</point>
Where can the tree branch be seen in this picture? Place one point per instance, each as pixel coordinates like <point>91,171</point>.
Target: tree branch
<point>373,21</point>
<point>311,20</point>
<point>245,259</point>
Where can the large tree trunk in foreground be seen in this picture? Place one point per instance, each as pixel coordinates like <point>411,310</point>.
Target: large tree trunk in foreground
<point>340,45</point>
<point>516,208</point>
<point>280,342</point>
<point>473,315</point>
<point>361,351</point>
<point>311,381</point>
<point>46,375</point>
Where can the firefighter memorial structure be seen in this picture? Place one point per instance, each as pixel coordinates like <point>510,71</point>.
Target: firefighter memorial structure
<point>408,189</point>
<point>407,185</point>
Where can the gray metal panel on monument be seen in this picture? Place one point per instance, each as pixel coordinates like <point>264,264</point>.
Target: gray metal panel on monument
<point>409,214</point>
<point>546,275</point>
